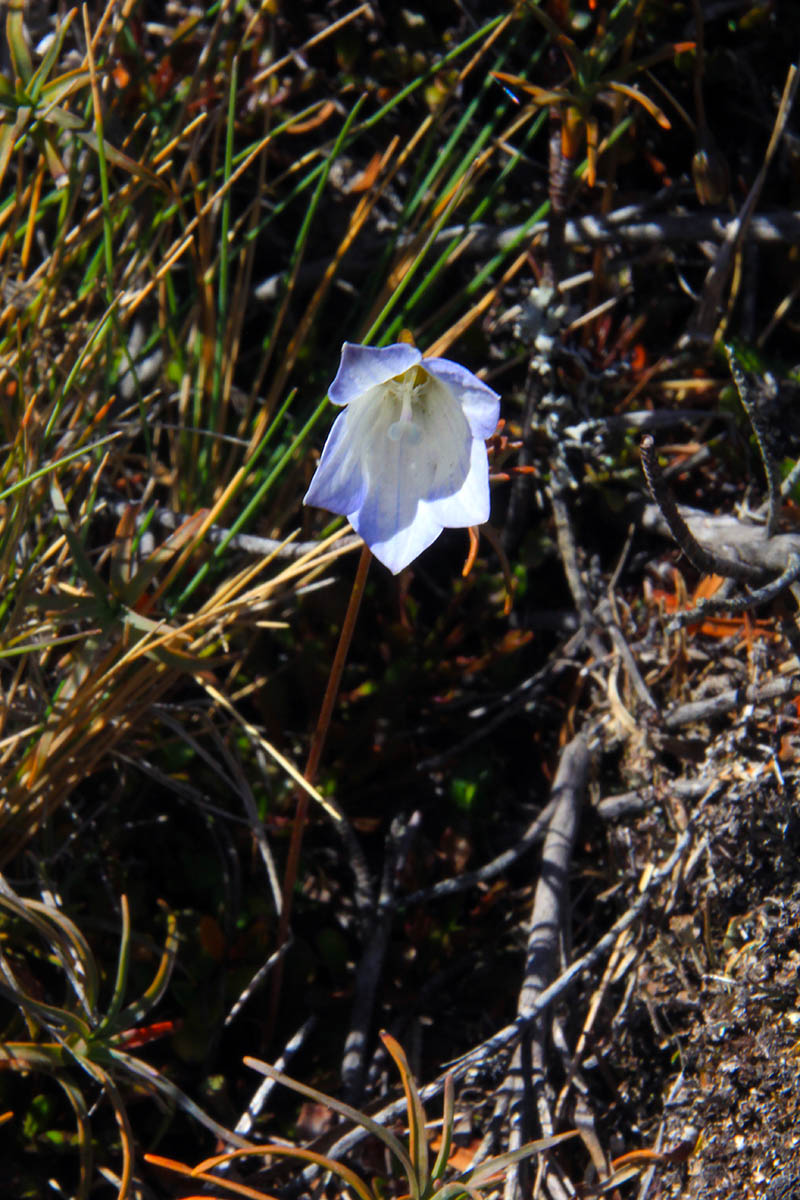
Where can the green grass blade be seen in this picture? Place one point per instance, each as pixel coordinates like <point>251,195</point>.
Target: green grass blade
<point>18,42</point>
<point>481,1174</point>
<point>224,257</point>
<point>448,1111</point>
<point>39,77</point>
<point>81,559</point>
<point>392,1144</point>
<point>140,1008</point>
<point>257,499</point>
<point>301,240</point>
<point>56,465</point>
<point>123,964</point>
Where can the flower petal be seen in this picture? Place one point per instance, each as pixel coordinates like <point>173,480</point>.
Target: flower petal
<point>470,504</point>
<point>390,519</point>
<point>393,493</point>
<point>396,545</point>
<point>480,404</point>
<point>446,437</point>
<point>364,367</point>
<point>339,483</point>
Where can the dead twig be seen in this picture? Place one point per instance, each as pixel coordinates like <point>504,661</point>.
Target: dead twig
<point>568,550</point>
<point>262,1093</point>
<point>508,1035</point>
<point>491,870</point>
<point>632,226</point>
<point>643,421</point>
<point>710,562</point>
<point>567,547</point>
<point>546,937</point>
<point>401,834</point>
<point>635,225</point>
<point>549,903</point>
<point>739,604</point>
<point>216,534</point>
<point>606,614</point>
<point>725,702</point>
<point>730,535</point>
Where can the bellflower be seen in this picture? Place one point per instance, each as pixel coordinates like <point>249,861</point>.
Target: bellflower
<point>406,458</point>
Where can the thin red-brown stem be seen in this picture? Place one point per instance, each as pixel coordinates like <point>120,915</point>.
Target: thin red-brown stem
<point>310,773</point>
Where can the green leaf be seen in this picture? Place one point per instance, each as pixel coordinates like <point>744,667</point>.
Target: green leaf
<point>483,1173</point>
<point>18,42</point>
<point>442,1158</point>
<point>393,1145</point>
<point>58,89</point>
<point>123,963</point>
<point>81,558</point>
<point>39,76</point>
<point>8,136</point>
<point>54,164</point>
<point>140,1008</point>
<point>121,160</point>
<point>154,1079</point>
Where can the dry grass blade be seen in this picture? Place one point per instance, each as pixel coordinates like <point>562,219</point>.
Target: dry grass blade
<point>110,683</point>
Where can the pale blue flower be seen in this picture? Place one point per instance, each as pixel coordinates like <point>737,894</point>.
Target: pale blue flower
<point>407,456</point>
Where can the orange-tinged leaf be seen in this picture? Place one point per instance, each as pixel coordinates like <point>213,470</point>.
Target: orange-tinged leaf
<point>710,626</point>
<point>203,1169</point>
<point>540,95</point>
<point>319,118</point>
<point>364,181</point>
<point>171,1164</point>
<point>417,1136</point>
<point>572,132</point>
<point>708,586</point>
<point>677,1154</point>
<point>591,151</point>
<point>647,104</point>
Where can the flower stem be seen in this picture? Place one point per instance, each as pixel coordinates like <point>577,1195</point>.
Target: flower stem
<point>310,773</point>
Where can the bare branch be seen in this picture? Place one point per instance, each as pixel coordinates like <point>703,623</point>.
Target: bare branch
<point>707,561</point>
